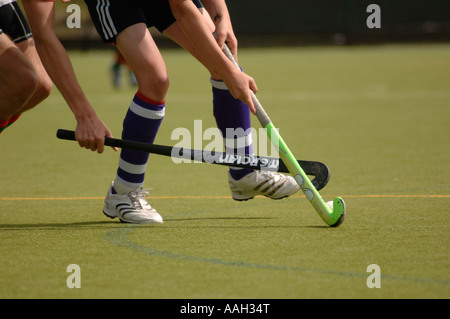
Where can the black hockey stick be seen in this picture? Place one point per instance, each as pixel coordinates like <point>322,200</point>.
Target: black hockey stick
<point>317,169</point>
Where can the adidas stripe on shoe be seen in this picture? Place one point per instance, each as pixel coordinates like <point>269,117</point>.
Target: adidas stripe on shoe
<point>270,184</point>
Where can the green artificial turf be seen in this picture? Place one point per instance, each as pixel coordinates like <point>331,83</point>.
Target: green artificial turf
<point>378,116</point>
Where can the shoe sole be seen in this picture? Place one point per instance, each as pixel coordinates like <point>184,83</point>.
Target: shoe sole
<point>246,199</point>
<point>131,222</point>
<point>113,217</point>
<point>109,216</point>
<point>242,199</point>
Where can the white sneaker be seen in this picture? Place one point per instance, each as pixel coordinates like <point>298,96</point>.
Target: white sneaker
<point>130,208</point>
<point>270,184</point>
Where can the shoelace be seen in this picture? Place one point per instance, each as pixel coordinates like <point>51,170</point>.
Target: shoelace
<point>135,197</point>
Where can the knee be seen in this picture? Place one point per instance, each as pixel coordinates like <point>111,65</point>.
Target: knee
<point>24,89</point>
<point>17,91</point>
<point>155,88</point>
<point>43,90</point>
<point>28,84</point>
<point>162,84</point>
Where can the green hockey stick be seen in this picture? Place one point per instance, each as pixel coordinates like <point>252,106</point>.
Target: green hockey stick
<point>332,213</point>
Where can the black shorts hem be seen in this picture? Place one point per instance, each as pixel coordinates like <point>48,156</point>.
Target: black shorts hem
<point>110,17</point>
<point>13,23</point>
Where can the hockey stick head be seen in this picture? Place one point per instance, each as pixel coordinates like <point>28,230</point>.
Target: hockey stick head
<point>337,212</point>
<point>333,216</point>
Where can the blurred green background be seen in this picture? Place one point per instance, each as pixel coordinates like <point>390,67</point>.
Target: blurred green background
<point>294,22</point>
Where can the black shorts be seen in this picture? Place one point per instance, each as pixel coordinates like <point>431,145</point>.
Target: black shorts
<point>198,3</point>
<point>111,17</point>
<point>13,22</point>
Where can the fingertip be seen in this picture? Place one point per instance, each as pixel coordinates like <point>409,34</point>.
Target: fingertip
<point>220,42</point>
<point>100,148</point>
<point>254,87</point>
<point>252,107</point>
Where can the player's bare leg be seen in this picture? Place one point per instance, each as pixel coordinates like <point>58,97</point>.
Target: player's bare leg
<point>126,197</point>
<point>18,79</point>
<point>44,85</point>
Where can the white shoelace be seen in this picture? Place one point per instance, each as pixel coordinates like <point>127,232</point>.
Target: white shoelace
<point>135,197</point>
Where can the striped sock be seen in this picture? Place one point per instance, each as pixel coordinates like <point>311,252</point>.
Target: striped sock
<point>233,120</point>
<point>141,124</point>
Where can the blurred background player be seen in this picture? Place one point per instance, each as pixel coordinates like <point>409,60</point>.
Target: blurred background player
<point>118,64</point>
<point>24,83</point>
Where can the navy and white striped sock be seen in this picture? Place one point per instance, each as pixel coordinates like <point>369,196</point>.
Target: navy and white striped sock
<point>233,120</point>
<point>141,124</point>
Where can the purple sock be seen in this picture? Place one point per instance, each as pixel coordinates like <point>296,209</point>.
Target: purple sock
<point>233,120</point>
<point>141,124</point>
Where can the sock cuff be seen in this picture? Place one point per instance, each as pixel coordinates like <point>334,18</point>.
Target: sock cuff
<point>147,100</point>
<point>147,108</point>
<point>218,84</point>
